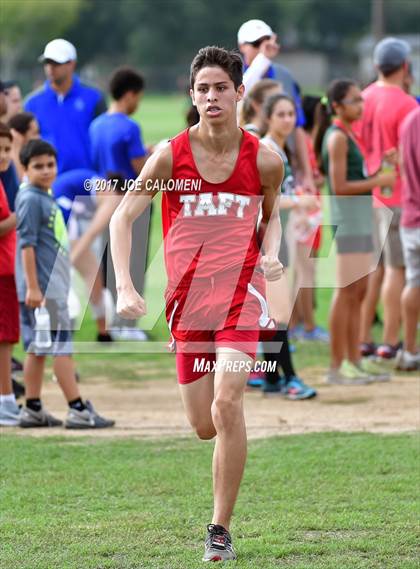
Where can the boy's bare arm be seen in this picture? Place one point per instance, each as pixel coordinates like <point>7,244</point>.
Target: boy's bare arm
<point>158,167</point>
<point>271,169</point>
<point>34,296</point>
<point>6,225</point>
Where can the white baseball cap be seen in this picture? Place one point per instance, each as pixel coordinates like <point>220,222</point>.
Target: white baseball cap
<point>253,30</point>
<point>60,51</point>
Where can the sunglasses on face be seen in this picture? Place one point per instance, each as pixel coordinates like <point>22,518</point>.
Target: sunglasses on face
<point>353,101</point>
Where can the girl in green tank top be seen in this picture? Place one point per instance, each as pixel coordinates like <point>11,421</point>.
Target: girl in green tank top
<point>341,159</point>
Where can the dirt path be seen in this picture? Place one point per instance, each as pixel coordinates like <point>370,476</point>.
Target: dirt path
<point>153,409</point>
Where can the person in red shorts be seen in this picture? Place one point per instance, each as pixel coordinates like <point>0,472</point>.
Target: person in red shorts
<point>9,308</point>
<point>217,179</point>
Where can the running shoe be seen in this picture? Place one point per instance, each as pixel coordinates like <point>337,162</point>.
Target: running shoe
<point>218,545</point>
<point>256,380</point>
<point>18,388</point>
<point>29,419</point>
<point>9,414</point>
<point>272,388</point>
<point>375,370</point>
<point>86,419</point>
<point>367,349</point>
<point>104,337</point>
<point>17,366</point>
<point>348,374</point>
<point>318,334</point>
<point>387,351</point>
<point>406,361</point>
<point>296,390</point>
<point>296,332</point>
<point>130,334</point>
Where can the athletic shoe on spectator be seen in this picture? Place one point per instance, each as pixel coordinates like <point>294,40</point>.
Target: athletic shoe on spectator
<point>374,369</point>
<point>132,334</point>
<point>17,366</point>
<point>29,419</point>
<point>387,352</point>
<point>367,349</point>
<point>9,414</point>
<point>104,338</point>
<point>348,374</point>
<point>318,334</point>
<point>405,361</point>
<point>86,419</point>
<point>256,380</point>
<point>296,332</point>
<point>295,389</point>
<point>18,388</point>
<point>272,388</point>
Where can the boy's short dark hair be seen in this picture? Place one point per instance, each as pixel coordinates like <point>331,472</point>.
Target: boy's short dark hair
<point>5,131</point>
<point>123,80</point>
<point>35,148</point>
<point>213,56</point>
<point>388,69</point>
<point>21,122</point>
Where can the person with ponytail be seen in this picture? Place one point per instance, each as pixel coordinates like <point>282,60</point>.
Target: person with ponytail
<point>252,115</point>
<point>341,159</point>
<point>280,116</point>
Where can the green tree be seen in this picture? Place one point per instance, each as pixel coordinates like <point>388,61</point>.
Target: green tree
<point>26,26</point>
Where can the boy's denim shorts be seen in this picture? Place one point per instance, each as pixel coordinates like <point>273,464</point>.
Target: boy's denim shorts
<point>61,336</point>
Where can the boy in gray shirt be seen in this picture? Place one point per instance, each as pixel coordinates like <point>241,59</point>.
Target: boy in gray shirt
<point>43,279</point>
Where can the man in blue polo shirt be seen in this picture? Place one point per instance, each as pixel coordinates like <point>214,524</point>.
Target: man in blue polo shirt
<point>65,107</point>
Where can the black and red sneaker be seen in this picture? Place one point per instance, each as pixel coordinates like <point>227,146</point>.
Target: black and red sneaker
<point>387,351</point>
<point>367,349</point>
<point>218,545</point>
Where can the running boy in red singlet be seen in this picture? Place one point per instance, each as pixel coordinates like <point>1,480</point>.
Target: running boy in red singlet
<point>217,179</point>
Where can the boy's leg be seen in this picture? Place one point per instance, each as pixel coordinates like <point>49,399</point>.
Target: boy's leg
<point>231,443</point>
<point>370,303</point>
<point>33,414</point>
<point>65,372</point>
<point>33,373</point>
<point>410,310</point>
<point>391,295</point>
<point>6,387</point>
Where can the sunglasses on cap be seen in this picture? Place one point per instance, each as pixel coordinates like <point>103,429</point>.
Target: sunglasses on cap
<point>52,62</point>
<point>259,41</point>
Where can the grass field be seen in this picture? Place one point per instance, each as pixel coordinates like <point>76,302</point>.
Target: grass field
<point>315,501</point>
<point>307,502</point>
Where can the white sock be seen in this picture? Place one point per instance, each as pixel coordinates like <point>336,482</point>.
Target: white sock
<point>8,398</point>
